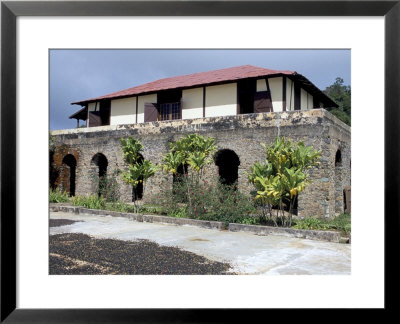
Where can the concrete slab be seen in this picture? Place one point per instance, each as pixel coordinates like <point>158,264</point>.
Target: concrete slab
<point>246,252</point>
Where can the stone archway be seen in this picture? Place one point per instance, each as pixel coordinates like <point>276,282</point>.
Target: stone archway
<point>99,165</point>
<point>69,174</point>
<point>137,192</point>
<point>228,163</point>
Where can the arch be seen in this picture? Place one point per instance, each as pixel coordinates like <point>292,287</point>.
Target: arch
<point>228,163</point>
<point>180,172</point>
<point>338,158</point>
<point>137,192</point>
<point>101,162</point>
<point>70,161</point>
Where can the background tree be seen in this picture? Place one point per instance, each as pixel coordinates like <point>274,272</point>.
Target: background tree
<point>341,94</point>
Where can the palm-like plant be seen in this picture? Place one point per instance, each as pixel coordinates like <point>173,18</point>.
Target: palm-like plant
<point>172,161</point>
<point>193,150</point>
<point>140,170</point>
<point>284,174</point>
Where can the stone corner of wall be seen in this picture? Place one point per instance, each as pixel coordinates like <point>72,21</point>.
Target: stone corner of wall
<point>336,121</point>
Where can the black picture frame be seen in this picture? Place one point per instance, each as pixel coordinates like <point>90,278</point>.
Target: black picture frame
<point>10,10</point>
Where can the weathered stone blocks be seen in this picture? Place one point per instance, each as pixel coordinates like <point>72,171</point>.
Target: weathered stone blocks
<point>242,134</point>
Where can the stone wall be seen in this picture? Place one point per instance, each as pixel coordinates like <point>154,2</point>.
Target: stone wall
<point>242,134</point>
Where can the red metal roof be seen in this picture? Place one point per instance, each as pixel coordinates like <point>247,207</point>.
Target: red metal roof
<point>192,80</point>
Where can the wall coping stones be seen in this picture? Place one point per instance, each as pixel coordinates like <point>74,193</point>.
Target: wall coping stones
<point>313,116</point>
<point>328,236</point>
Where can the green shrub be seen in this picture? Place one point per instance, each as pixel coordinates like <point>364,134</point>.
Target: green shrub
<point>310,223</point>
<point>251,220</point>
<point>91,201</point>
<point>119,206</point>
<point>178,213</point>
<point>205,201</point>
<point>282,177</point>
<point>158,210</point>
<point>341,223</point>
<point>230,205</point>
<point>107,186</point>
<point>58,196</point>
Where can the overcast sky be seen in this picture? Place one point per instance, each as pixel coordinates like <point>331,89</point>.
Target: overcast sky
<point>82,74</point>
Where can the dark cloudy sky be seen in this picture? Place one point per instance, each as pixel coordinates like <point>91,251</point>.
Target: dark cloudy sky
<point>82,74</point>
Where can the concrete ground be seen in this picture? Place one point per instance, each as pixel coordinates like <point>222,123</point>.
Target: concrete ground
<point>246,253</point>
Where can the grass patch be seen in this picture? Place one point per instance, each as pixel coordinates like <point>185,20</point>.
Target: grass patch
<point>341,223</point>
<point>91,201</point>
<point>58,196</point>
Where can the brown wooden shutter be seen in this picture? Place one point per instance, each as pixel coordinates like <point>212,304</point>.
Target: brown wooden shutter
<point>94,119</point>
<point>150,112</point>
<point>262,102</point>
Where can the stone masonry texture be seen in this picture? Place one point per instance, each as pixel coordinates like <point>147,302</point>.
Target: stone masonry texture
<point>242,134</point>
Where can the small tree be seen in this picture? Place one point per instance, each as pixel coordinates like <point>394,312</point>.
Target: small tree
<point>283,176</point>
<point>140,170</point>
<point>192,150</point>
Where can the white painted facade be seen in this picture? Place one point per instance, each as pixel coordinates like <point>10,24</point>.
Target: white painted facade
<point>306,100</point>
<point>192,103</point>
<point>310,101</point>
<point>289,94</point>
<point>123,111</point>
<point>261,85</point>
<point>276,88</point>
<point>221,100</point>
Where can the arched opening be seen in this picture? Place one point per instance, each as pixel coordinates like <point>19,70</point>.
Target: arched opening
<point>338,158</point>
<point>101,163</point>
<point>180,173</point>
<point>338,173</point>
<point>137,192</point>
<point>70,162</point>
<point>228,163</point>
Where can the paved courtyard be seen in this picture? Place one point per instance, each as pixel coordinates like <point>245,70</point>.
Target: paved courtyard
<point>245,253</point>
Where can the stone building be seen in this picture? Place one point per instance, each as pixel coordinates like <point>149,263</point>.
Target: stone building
<point>240,107</point>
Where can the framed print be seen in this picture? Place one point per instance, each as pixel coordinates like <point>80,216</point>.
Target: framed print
<point>141,24</point>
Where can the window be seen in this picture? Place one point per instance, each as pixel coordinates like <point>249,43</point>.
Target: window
<point>169,104</point>
<point>169,111</point>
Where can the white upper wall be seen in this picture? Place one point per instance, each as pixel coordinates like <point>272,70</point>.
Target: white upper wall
<point>289,94</point>
<point>261,85</point>
<point>306,100</point>
<point>192,103</point>
<point>310,101</point>
<point>276,87</point>
<point>123,111</point>
<point>221,100</point>
<point>303,99</point>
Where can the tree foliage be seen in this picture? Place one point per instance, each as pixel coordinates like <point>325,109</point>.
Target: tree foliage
<point>193,150</point>
<point>139,169</point>
<point>282,176</point>
<point>341,94</point>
